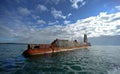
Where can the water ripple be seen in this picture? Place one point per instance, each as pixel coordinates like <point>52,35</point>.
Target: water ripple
<point>95,60</point>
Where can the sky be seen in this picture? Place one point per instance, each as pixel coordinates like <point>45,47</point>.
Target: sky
<point>42,21</point>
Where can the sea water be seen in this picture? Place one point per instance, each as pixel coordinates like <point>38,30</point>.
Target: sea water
<point>93,60</point>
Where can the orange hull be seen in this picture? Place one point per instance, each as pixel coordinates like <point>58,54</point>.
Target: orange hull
<point>31,52</point>
<point>37,51</point>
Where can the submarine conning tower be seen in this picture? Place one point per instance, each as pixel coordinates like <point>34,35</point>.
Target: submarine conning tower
<point>85,38</point>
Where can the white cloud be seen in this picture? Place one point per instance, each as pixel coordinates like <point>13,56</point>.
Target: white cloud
<point>24,11</point>
<point>75,3</point>
<point>55,1</point>
<point>57,13</point>
<point>69,14</point>
<point>41,22</point>
<point>102,24</point>
<point>83,3</point>
<point>94,26</point>
<point>35,16</point>
<point>53,23</point>
<point>117,7</point>
<point>66,22</point>
<point>6,29</point>
<point>42,8</point>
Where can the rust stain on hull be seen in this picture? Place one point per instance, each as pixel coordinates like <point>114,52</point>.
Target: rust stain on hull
<point>31,52</point>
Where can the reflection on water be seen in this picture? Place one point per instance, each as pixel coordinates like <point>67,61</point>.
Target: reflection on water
<point>94,60</point>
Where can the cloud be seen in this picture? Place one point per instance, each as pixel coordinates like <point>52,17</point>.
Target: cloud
<point>117,7</point>
<point>24,11</point>
<point>82,4</point>
<point>66,22</point>
<point>56,1</point>
<point>42,8</point>
<point>35,16</point>
<point>15,33</point>
<point>103,24</point>
<point>69,14</point>
<point>53,23</point>
<point>57,14</point>
<point>95,26</point>
<point>52,1</point>
<point>75,3</point>
<point>41,22</point>
<point>7,31</point>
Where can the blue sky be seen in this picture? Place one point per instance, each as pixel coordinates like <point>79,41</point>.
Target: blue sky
<point>41,21</point>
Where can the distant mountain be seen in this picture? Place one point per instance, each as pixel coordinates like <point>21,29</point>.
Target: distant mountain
<point>15,43</point>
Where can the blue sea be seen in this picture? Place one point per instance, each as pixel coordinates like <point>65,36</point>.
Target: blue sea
<point>93,60</point>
